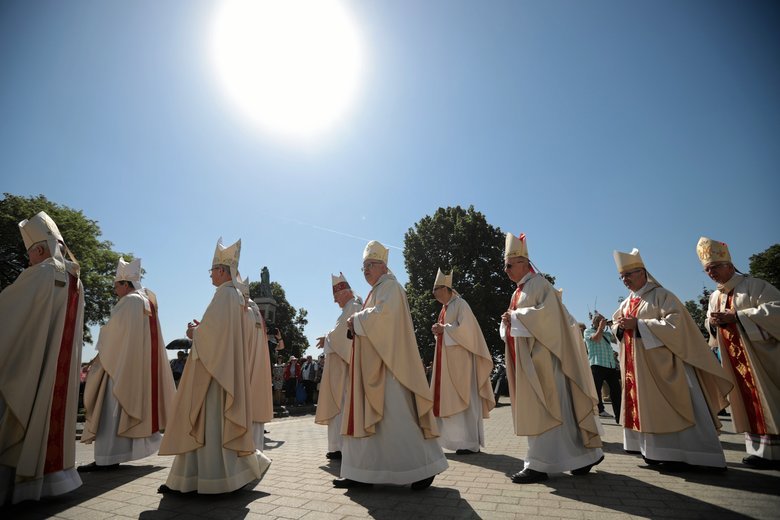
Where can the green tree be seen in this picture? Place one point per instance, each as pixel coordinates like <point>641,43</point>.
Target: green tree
<point>462,241</point>
<point>83,237</point>
<point>766,265</point>
<point>289,320</point>
<point>698,310</point>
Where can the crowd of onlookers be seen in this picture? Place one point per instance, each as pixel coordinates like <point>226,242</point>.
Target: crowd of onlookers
<point>297,381</point>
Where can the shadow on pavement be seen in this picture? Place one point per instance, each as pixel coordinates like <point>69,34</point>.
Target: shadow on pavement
<point>386,502</point>
<point>94,485</point>
<point>497,462</point>
<point>635,497</point>
<point>225,506</point>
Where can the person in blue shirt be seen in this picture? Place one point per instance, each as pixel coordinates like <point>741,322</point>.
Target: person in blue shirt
<point>603,363</point>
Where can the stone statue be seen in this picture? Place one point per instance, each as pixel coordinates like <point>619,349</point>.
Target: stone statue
<point>265,283</point>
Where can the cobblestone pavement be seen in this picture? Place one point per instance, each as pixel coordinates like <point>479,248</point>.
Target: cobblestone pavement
<point>298,485</point>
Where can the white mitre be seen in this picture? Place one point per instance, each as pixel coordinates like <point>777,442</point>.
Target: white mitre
<point>129,272</point>
<point>515,246</point>
<point>626,262</point>
<point>443,279</point>
<point>228,256</point>
<point>376,251</point>
<point>339,283</point>
<point>41,228</point>
<point>242,284</point>
<point>711,251</point>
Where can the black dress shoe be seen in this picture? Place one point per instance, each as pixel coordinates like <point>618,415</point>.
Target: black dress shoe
<point>586,469</point>
<point>675,466</point>
<point>651,462</point>
<point>529,476</point>
<point>348,483</point>
<point>757,462</point>
<point>333,455</point>
<point>422,484</point>
<point>93,466</point>
<point>465,452</point>
<point>165,490</point>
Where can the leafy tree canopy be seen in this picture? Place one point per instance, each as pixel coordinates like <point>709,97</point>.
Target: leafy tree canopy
<point>460,240</point>
<point>289,320</point>
<point>766,265</point>
<point>81,234</point>
<point>698,310</point>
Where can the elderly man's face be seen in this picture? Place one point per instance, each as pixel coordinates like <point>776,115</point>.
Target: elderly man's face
<point>635,279</point>
<point>37,254</point>
<point>442,294</point>
<point>342,297</point>
<point>720,272</point>
<point>373,271</point>
<point>219,275</point>
<point>516,268</point>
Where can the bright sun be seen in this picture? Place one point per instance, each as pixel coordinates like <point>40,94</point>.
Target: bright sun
<point>292,66</point>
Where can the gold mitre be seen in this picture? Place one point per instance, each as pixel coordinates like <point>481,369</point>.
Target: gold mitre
<point>515,246</point>
<point>443,279</point>
<point>129,272</point>
<point>711,251</point>
<point>227,255</point>
<point>39,228</point>
<point>375,251</point>
<point>628,261</point>
<point>339,283</point>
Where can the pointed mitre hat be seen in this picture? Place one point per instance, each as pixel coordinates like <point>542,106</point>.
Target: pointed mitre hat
<point>515,246</point>
<point>629,261</point>
<point>41,228</point>
<point>443,279</point>
<point>129,272</point>
<point>375,251</point>
<point>242,284</point>
<point>339,283</point>
<point>711,251</point>
<point>227,255</point>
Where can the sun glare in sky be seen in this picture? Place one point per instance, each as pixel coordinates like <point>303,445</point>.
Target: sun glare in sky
<point>292,66</point>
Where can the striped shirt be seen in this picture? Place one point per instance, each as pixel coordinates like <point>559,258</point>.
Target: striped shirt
<point>600,352</point>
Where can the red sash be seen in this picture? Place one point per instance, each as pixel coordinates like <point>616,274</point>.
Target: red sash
<point>155,367</point>
<point>743,374</point>
<point>510,341</point>
<point>351,415</point>
<point>437,372</point>
<point>55,454</point>
<point>630,402</point>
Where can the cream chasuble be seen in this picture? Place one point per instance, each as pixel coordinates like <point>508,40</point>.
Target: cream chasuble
<point>131,352</point>
<point>548,342</point>
<point>259,365</point>
<point>662,394</point>
<point>750,352</point>
<point>41,328</point>
<point>338,349</point>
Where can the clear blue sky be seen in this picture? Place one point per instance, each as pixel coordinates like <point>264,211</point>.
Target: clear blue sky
<point>590,126</point>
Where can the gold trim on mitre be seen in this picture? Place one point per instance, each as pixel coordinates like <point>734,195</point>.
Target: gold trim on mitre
<point>710,251</point>
<point>443,279</point>
<point>39,228</point>
<point>129,272</point>
<point>515,246</point>
<point>376,251</point>
<point>227,255</point>
<point>628,261</point>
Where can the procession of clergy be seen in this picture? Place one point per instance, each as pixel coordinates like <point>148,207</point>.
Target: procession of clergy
<point>386,423</point>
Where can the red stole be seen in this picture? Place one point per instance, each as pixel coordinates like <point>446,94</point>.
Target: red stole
<point>510,341</point>
<point>54,442</point>
<point>155,366</point>
<point>630,402</point>
<point>351,415</point>
<point>743,374</point>
<point>437,369</point>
